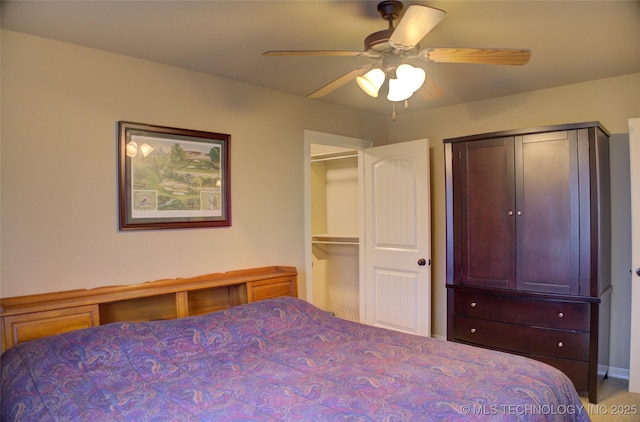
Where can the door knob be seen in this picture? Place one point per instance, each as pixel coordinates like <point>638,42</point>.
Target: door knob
<point>638,272</point>
<point>422,262</point>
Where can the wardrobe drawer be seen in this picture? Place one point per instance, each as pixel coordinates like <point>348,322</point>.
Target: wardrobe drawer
<point>522,339</point>
<point>524,311</point>
<point>576,370</point>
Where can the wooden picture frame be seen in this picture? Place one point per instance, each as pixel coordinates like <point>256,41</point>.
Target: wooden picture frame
<point>170,178</point>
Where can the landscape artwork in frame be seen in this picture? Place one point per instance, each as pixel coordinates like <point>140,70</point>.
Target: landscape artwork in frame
<point>172,178</point>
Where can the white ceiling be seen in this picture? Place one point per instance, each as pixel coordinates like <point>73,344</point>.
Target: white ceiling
<point>571,41</point>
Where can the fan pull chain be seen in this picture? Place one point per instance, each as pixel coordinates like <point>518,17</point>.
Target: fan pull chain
<point>393,113</point>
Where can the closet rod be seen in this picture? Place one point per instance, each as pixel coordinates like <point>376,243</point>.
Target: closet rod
<point>316,160</point>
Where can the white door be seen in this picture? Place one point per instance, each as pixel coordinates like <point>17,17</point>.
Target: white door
<point>634,154</point>
<point>396,290</point>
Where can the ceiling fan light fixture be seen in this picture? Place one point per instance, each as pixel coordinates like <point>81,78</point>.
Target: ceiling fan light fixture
<point>398,91</point>
<point>408,80</point>
<point>371,82</point>
<point>413,77</point>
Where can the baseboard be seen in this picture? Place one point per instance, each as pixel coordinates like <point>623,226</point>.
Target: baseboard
<point>619,373</point>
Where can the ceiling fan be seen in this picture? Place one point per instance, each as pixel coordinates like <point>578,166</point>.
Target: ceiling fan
<point>393,47</point>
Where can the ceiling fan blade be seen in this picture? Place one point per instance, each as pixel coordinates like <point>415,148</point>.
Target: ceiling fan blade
<point>430,90</point>
<point>337,83</point>
<point>505,56</point>
<point>340,53</point>
<point>417,22</point>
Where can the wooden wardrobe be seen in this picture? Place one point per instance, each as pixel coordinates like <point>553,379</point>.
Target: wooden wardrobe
<point>528,246</point>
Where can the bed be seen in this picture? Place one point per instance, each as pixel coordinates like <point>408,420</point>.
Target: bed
<point>279,359</point>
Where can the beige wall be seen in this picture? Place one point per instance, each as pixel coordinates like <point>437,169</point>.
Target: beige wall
<point>60,104</point>
<point>611,101</point>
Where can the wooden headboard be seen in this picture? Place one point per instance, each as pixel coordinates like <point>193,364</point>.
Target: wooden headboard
<point>24,318</point>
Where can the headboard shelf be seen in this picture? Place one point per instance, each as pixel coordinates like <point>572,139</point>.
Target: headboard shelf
<point>28,317</point>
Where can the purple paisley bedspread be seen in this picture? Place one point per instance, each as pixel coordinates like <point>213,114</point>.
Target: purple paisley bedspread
<point>276,360</point>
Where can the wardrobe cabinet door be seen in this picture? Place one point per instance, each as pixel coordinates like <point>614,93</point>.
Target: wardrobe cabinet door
<point>547,212</point>
<point>484,214</point>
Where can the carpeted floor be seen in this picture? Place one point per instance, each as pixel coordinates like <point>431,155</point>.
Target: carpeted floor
<point>615,403</point>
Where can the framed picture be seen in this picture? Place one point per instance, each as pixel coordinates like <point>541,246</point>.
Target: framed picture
<point>172,178</point>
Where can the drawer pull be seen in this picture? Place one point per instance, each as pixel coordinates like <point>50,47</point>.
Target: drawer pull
<point>560,344</point>
<point>473,330</point>
<point>473,304</point>
<point>560,315</point>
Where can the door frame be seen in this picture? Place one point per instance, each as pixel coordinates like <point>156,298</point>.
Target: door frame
<point>322,138</point>
<point>634,352</point>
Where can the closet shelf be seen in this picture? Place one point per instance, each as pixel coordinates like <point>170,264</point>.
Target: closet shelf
<point>338,239</point>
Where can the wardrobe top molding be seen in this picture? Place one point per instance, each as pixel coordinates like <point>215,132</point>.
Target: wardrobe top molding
<point>527,131</point>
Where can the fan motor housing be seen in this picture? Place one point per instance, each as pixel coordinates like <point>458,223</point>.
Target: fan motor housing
<point>390,9</point>
<point>378,41</point>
